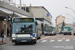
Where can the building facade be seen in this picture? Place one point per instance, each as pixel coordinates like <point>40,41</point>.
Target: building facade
<point>5,11</point>
<point>40,13</point>
<point>59,20</point>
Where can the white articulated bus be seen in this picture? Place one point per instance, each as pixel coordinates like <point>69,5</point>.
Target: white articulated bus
<point>25,30</point>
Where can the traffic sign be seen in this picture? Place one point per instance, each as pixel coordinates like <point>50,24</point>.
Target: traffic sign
<point>48,14</point>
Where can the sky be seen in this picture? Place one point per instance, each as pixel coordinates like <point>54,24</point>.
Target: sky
<point>55,7</point>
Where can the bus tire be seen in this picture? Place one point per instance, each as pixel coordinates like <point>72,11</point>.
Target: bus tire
<point>39,38</point>
<point>35,42</point>
<point>70,34</point>
<point>16,43</point>
<point>64,34</point>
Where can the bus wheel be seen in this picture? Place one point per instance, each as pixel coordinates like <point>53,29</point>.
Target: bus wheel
<point>16,43</point>
<point>38,38</point>
<point>35,42</point>
<point>64,34</point>
<point>70,34</point>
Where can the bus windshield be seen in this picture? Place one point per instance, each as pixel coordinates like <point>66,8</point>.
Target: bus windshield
<point>24,27</point>
<point>48,29</point>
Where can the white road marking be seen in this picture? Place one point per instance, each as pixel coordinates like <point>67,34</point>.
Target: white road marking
<point>67,40</point>
<point>37,40</point>
<point>59,40</point>
<point>43,40</point>
<point>74,38</point>
<point>51,40</point>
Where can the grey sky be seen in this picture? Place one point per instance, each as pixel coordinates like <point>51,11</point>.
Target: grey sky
<point>55,7</point>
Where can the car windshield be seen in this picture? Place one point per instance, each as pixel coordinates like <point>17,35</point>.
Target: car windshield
<point>23,27</point>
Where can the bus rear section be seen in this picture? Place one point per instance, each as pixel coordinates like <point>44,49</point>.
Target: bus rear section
<point>24,31</point>
<point>67,30</point>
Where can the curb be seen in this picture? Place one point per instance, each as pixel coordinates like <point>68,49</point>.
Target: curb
<point>5,42</point>
<point>2,43</point>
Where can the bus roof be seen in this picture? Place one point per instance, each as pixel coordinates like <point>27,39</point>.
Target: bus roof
<point>67,26</point>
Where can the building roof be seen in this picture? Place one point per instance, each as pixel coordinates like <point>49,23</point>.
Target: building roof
<point>60,16</point>
<point>14,9</point>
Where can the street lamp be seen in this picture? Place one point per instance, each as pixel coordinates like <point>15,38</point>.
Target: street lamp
<point>70,19</point>
<point>70,8</point>
<point>70,15</point>
<point>73,20</point>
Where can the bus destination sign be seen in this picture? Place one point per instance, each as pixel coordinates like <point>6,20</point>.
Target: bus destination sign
<point>23,20</point>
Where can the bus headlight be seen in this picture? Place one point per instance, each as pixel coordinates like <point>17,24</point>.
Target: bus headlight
<point>13,38</point>
<point>33,37</point>
<point>52,32</point>
<point>44,32</point>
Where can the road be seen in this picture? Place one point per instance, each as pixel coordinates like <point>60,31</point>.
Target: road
<point>57,42</point>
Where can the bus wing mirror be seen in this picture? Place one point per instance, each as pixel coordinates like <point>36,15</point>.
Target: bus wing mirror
<point>36,23</point>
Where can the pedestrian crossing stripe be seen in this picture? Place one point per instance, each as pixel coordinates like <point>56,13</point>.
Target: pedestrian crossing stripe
<point>51,40</point>
<point>67,40</point>
<point>37,40</point>
<point>43,40</point>
<point>59,40</point>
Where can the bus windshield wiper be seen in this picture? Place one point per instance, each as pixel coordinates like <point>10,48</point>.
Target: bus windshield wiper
<point>27,30</point>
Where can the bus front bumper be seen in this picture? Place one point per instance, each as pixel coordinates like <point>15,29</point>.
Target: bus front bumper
<point>49,33</point>
<point>26,39</point>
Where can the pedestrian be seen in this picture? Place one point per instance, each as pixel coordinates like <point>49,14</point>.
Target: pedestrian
<point>2,34</point>
<point>7,32</point>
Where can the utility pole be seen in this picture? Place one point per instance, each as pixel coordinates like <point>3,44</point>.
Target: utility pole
<point>20,4</point>
<point>6,26</point>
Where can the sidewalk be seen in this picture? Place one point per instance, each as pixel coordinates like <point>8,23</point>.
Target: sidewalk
<point>5,41</point>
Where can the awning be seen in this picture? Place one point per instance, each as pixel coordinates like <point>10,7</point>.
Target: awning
<point>5,12</point>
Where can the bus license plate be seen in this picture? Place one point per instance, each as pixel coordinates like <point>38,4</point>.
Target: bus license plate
<point>23,41</point>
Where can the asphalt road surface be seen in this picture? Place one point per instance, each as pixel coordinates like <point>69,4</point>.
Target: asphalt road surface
<point>57,42</point>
